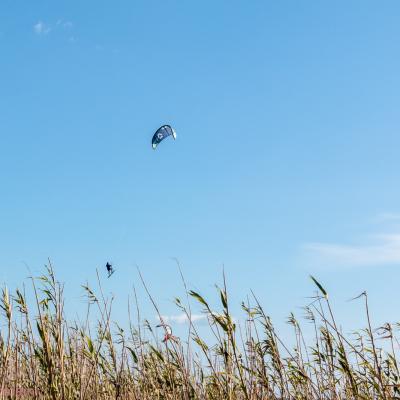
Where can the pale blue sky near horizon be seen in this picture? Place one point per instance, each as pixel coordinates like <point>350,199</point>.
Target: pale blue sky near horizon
<point>286,162</point>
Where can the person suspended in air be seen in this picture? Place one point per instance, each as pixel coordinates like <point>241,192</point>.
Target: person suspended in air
<point>110,269</point>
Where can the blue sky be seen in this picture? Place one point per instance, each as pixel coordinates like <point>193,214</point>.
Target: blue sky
<point>286,163</point>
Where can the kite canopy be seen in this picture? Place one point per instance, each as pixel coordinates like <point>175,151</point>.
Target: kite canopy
<point>161,133</point>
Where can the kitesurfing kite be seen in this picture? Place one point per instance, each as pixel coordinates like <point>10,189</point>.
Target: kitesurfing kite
<point>161,133</point>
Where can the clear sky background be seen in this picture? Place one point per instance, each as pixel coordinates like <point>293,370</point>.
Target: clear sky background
<point>286,163</point>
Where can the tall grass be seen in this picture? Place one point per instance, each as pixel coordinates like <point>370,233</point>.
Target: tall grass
<point>44,356</point>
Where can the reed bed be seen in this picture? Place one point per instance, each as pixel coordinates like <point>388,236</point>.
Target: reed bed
<point>44,356</point>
